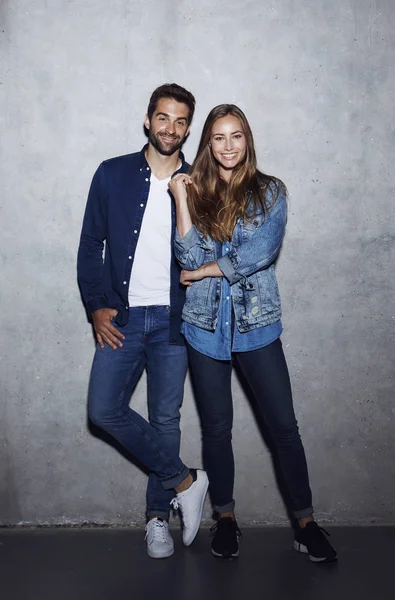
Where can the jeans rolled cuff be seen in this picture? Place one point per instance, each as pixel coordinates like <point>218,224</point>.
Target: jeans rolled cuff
<point>224,507</point>
<point>175,480</point>
<point>302,514</point>
<point>164,513</point>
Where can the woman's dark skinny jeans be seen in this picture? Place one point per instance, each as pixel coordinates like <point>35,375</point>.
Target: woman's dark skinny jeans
<point>266,373</point>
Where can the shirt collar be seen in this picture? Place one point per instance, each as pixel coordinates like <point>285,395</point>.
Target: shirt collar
<point>144,164</point>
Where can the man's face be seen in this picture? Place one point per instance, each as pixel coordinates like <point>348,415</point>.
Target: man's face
<point>168,127</point>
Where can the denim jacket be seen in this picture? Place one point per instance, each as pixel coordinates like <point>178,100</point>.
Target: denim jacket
<point>248,266</point>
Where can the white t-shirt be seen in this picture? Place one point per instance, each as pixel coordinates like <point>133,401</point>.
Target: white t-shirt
<point>150,279</point>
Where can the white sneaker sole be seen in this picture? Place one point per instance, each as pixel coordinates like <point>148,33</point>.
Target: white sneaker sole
<point>166,554</point>
<point>303,549</point>
<point>234,555</point>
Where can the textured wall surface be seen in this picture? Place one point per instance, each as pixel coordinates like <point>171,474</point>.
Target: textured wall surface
<point>316,80</point>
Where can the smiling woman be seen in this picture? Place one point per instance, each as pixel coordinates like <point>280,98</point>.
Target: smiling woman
<point>227,182</point>
<point>231,222</point>
<point>228,144</point>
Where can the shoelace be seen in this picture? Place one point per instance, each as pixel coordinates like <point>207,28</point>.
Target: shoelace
<point>174,503</point>
<point>158,530</point>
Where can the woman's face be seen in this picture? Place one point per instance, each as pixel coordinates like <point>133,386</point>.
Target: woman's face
<point>228,144</point>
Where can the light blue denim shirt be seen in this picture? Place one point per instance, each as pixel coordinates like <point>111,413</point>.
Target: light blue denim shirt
<point>248,267</point>
<point>218,344</point>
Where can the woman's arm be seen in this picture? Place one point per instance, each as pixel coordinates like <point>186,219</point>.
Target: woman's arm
<point>178,187</point>
<point>263,247</point>
<point>189,246</point>
<point>209,270</point>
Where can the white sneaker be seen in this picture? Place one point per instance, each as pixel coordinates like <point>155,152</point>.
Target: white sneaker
<point>191,504</point>
<point>159,541</point>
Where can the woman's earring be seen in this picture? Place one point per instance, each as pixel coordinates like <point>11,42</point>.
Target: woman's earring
<point>209,144</point>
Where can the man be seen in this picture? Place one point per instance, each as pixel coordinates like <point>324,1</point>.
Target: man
<point>135,300</point>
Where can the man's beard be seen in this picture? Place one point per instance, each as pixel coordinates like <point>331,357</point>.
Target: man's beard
<point>165,149</point>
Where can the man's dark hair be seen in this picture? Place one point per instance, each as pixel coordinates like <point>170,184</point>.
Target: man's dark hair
<point>171,90</point>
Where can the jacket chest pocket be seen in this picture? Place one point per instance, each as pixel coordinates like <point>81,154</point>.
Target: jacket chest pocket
<point>249,227</point>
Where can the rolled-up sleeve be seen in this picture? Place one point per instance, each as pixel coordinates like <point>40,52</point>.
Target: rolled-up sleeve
<point>189,250</point>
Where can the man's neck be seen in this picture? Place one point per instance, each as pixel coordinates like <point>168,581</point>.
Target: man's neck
<point>162,166</point>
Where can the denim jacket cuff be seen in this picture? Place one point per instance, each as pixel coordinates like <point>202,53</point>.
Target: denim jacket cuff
<point>189,240</point>
<point>228,264</point>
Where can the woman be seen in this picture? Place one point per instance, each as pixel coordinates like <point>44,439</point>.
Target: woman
<point>231,221</point>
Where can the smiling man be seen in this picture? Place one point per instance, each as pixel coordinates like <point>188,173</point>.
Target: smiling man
<point>134,296</point>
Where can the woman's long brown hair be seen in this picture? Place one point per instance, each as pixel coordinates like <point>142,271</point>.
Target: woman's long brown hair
<point>214,204</point>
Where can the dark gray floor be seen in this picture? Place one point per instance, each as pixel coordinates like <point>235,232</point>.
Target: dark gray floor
<point>109,564</point>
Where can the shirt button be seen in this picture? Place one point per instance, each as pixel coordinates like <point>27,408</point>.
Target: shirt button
<point>135,231</point>
<point>127,307</point>
<point>227,297</point>
<point>129,257</point>
<point>147,168</point>
<point>125,282</point>
<point>227,249</point>
<point>146,179</point>
<point>141,205</point>
<point>227,323</point>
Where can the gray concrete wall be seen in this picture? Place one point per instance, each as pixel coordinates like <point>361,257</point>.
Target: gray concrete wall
<point>316,80</point>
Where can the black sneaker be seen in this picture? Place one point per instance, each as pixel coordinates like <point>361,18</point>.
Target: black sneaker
<point>226,539</point>
<point>311,540</point>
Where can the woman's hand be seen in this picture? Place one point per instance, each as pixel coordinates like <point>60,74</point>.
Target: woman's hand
<point>178,186</point>
<point>208,270</point>
<point>187,277</point>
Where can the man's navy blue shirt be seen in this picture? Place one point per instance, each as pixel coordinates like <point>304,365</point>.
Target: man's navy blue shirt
<point>114,213</point>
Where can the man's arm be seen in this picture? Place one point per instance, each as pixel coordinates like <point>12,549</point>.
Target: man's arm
<point>90,263</point>
<point>90,252</point>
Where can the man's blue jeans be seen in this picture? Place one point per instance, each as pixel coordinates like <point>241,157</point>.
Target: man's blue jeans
<point>114,375</point>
